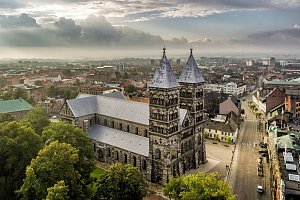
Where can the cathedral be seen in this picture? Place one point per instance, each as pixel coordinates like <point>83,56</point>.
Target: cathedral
<point>162,138</point>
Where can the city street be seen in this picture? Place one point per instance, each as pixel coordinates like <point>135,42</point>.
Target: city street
<point>243,175</point>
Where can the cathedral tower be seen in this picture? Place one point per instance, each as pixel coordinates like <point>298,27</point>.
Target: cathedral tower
<point>192,99</point>
<point>164,121</point>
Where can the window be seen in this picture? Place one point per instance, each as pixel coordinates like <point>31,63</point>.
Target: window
<point>146,133</point>
<point>144,165</point>
<point>108,152</point>
<point>113,124</point>
<point>121,126</point>
<point>125,158</point>
<point>105,122</point>
<point>136,130</point>
<point>134,161</point>
<point>117,155</point>
<point>94,147</point>
<point>128,129</point>
<point>157,154</point>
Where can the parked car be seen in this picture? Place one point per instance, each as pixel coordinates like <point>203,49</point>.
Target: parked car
<point>264,154</point>
<point>263,145</point>
<point>260,189</point>
<point>263,151</point>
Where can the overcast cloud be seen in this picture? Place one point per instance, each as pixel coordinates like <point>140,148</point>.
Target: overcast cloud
<point>203,24</point>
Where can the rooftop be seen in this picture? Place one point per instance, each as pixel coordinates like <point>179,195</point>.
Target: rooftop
<point>191,73</point>
<point>9,106</point>
<point>117,108</point>
<point>120,139</point>
<point>164,76</point>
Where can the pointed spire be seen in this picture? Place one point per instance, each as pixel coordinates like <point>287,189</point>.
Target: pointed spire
<point>164,76</point>
<point>191,72</point>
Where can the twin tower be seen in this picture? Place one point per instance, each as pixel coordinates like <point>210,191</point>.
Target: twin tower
<point>176,114</point>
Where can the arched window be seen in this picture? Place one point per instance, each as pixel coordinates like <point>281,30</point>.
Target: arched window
<point>100,153</point>
<point>157,154</point>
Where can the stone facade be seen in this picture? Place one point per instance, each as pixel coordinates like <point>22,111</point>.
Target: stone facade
<point>173,132</point>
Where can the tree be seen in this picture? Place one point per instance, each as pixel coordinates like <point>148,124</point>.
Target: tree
<point>130,89</point>
<point>228,139</point>
<point>20,93</point>
<point>58,192</point>
<point>6,117</point>
<point>55,162</point>
<point>67,133</point>
<point>197,187</point>
<point>121,182</point>
<point>18,145</point>
<point>38,119</point>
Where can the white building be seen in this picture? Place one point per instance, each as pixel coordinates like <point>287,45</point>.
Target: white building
<point>229,88</point>
<point>249,63</point>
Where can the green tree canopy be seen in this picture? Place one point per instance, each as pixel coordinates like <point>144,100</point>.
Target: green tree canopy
<point>18,145</point>
<point>55,162</point>
<point>58,192</point>
<point>130,89</point>
<point>121,182</point>
<point>6,117</point>
<point>38,119</point>
<point>67,133</point>
<point>197,187</point>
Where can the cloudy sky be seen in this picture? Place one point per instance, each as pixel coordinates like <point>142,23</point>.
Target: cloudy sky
<point>112,28</point>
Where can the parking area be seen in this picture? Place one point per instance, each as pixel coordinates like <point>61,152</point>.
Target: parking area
<point>222,152</point>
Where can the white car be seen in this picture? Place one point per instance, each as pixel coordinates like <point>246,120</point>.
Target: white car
<point>260,189</point>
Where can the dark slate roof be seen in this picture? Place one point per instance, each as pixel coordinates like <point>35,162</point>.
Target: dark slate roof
<point>226,127</point>
<point>121,139</point>
<point>117,108</point>
<point>191,72</point>
<point>117,95</point>
<point>15,105</point>
<point>164,76</point>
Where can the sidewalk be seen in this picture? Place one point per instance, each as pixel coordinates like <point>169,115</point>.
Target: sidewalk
<point>207,167</point>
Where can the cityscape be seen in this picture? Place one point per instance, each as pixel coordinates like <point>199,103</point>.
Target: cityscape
<point>149,100</point>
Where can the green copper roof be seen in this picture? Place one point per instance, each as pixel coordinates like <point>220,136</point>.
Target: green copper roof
<point>7,106</point>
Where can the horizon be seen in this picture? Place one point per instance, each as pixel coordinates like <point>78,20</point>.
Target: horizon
<point>86,28</point>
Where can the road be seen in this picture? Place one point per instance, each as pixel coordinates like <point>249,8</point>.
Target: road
<point>243,175</point>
